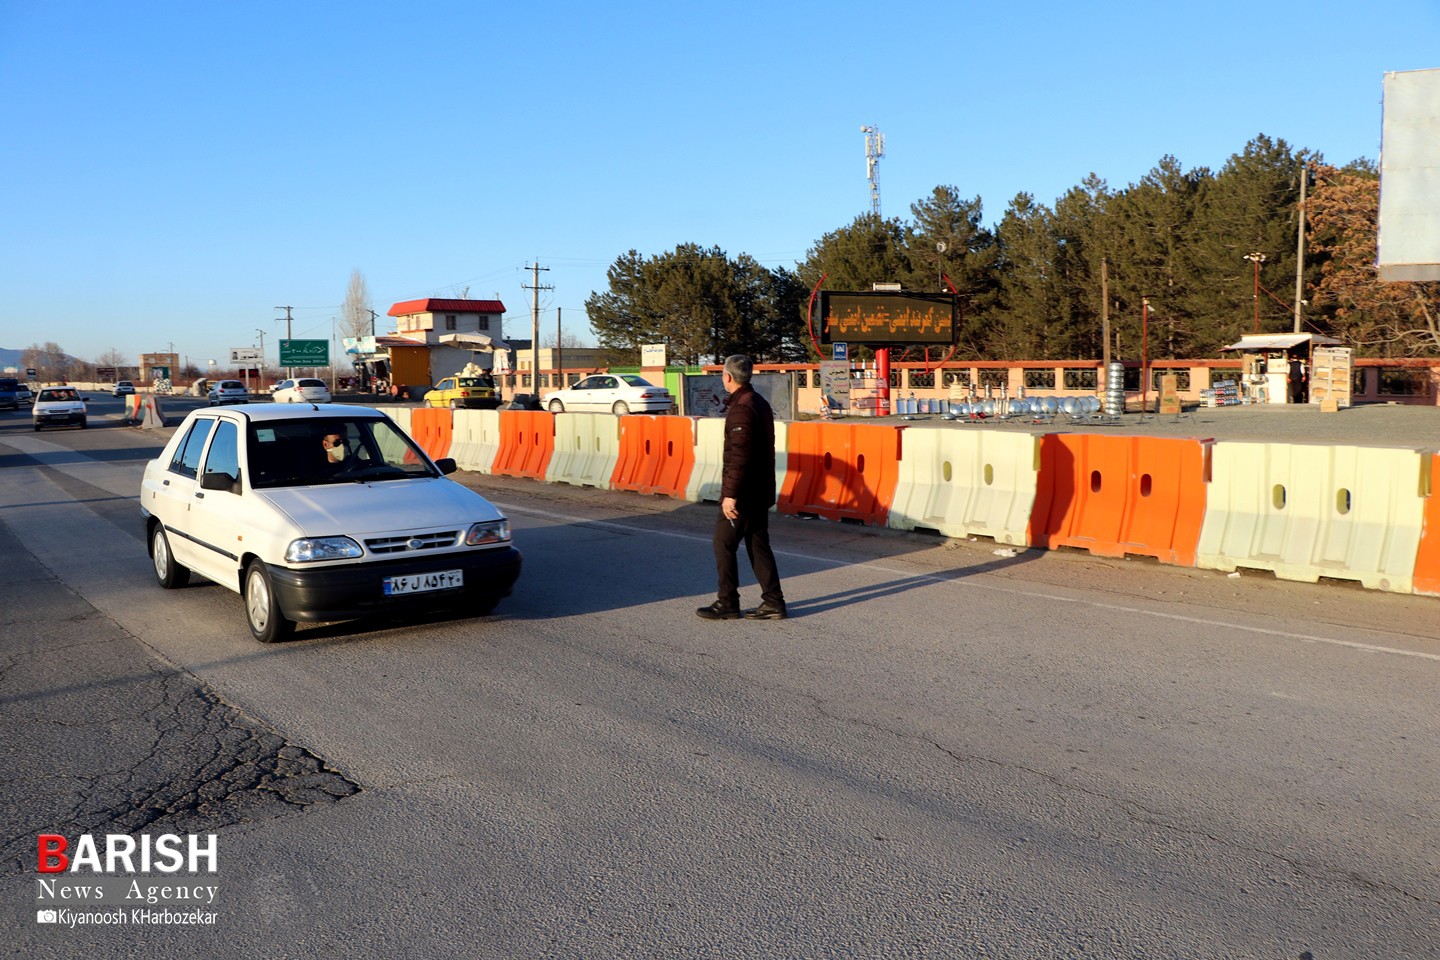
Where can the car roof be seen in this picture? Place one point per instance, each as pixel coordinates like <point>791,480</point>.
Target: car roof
<point>272,412</point>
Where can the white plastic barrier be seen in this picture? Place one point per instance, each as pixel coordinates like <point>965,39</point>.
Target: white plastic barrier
<point>709,459</point>
<point>705,476</point>
<point>963,483</point>
<point>1306,512</point>
<point>476,439</point>
<point>401,416</point>
<point>587,447</point>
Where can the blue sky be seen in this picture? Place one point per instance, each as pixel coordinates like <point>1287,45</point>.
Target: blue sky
<point>170,172</point>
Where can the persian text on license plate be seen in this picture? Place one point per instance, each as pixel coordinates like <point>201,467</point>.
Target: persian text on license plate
<point>423,582</point>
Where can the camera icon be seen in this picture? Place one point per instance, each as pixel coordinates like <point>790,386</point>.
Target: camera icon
<point>46,916</point>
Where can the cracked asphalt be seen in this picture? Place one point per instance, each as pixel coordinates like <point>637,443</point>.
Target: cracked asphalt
<point>98,736</point>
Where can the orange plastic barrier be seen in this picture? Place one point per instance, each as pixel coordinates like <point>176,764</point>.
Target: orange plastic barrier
<point>527,441</point>
<point>1427,559</point>
<point>841,471</point>
<point>1119,495</point>
<point>656,455</point>
<point>433,430</point>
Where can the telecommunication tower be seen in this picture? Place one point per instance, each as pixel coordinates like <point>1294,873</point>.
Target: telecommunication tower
<point>874,150</point>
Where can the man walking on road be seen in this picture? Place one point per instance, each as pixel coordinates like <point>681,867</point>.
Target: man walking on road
<point>747,492</point>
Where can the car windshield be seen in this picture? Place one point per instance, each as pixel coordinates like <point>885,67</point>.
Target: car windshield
<point>471,382</point>
<point>59,395</point>
<point>312,383</point>
<point>319,450</point>
<point>635,381</point>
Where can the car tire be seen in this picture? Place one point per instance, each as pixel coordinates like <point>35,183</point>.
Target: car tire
<point>556,406</point>
<point>168,573</point>
<point>262,610</point>
<point>82,423</point>
<point>621,408</point>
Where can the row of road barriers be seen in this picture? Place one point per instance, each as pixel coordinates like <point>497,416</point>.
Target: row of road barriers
<point>1301,511</point>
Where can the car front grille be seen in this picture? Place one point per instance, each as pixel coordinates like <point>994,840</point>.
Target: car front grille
<point>420,541</point>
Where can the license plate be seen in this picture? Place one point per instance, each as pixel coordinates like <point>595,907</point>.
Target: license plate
<point>423,582</point>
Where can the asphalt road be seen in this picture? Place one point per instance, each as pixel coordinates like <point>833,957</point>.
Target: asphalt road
<point>945,752</point>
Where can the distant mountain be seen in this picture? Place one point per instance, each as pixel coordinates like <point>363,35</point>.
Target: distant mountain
<point>9,358</point>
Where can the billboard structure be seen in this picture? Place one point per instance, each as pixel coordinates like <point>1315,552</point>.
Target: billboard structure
<point>884,317</point>
<point>1409,235</point>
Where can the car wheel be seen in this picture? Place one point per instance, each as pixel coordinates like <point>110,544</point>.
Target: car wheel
<point>621,408</point>
<point>37,428</point>
<point>262,610</point>
<point>169,573</point>
<point>556,406</point>
<point>82,423</point>
<point>485,606</point>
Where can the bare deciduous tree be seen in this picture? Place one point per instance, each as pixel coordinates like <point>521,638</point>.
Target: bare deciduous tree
<point>356,316</point>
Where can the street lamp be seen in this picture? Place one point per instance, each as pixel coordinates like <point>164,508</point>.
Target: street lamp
<point>1257,259</point>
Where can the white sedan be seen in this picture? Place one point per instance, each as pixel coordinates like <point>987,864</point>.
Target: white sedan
<point>58,406</point>
<point>618,393</point>
<point>301,390</point>
<point>323,512</point>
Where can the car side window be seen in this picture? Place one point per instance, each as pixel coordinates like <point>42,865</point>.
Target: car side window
<point>224,455</point>
<point>187,455</point>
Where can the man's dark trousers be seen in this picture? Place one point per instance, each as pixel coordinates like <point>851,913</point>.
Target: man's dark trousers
<point>753,529</point>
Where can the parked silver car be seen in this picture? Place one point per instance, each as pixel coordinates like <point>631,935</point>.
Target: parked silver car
<point>228,391</point>
<point>300,390</point>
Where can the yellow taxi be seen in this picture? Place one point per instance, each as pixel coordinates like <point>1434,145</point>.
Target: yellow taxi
<point>460,393</point>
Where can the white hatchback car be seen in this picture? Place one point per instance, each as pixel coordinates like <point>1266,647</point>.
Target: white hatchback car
<point>58,406</point>
<point>300,390</point>
<point>320,513</point>
<point>611,393</point>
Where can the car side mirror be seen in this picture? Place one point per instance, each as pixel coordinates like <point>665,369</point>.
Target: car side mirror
<point>447,465</point>
<point>211,480</point>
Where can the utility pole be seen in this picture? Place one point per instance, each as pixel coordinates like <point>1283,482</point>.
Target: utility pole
<point>262,355</point>
<point>1257,259</point>
<point>1300,248</point>
<point>1105,317</point>
<point>289,372</point>
<point>559,348</point>
<point>535,289</point>
<point>372,322</point>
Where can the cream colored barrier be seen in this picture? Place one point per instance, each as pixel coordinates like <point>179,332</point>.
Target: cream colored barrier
<point>964,483</point>
<point>1306,512</point>
<point>709,459</point>
<point>401,416</point>
<point>587,447</point>
<point>476,439</point>
<point>705,476</point>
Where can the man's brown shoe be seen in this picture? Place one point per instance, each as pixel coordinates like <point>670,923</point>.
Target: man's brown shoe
<point>719,611</point>
<point>767,611</point>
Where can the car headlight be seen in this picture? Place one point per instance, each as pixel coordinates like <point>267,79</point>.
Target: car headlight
<point>308,549</point>
<point>490,531</point>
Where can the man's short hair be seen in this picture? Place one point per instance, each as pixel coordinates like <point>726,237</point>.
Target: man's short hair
<point>740,368</point>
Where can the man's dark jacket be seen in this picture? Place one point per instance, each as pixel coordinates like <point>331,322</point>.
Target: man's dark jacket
<point>749,474</point>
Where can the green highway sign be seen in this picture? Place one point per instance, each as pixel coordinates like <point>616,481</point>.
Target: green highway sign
<point>304,353</point>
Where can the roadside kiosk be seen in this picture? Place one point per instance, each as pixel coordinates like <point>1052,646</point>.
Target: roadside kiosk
<point>1276,367</point>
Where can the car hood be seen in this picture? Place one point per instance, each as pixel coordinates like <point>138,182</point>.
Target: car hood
<point>388,506</point>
